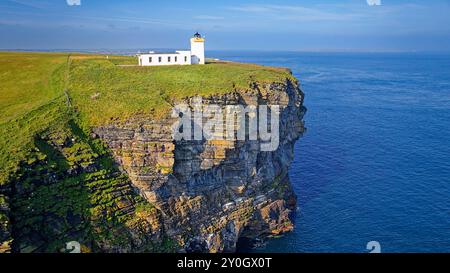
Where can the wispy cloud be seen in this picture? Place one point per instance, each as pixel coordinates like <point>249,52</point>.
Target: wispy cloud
<point>208,17</point>
<point>30,3</point>
<point>84,18</point>
<point>294,12</point>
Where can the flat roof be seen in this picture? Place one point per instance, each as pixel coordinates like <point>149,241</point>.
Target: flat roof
<point>164,53</point>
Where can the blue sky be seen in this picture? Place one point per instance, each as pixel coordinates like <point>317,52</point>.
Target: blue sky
<point>310,25</point>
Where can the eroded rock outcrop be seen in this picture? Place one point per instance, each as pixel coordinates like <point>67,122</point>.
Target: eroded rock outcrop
<point>211,193</point>
<point>5,232</point>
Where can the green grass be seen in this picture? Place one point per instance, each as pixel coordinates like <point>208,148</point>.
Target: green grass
<point>103,91</point>
<point>28,81</point>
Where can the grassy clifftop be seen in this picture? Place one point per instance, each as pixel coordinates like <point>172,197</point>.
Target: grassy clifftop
<point>37,87</point>
<point>102,90</point>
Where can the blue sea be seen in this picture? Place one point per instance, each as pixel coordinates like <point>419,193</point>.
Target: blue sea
<point>375,162</point>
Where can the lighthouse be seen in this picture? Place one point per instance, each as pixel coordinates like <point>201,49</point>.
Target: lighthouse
<point>180,57</point>
<point>197,49</point>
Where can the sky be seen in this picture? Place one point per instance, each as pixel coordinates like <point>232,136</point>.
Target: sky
<point>293,25</point>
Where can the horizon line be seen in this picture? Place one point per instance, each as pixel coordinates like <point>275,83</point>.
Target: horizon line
<point>114,50</point>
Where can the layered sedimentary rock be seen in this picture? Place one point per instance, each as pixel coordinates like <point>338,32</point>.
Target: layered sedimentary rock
<point>211,193</point>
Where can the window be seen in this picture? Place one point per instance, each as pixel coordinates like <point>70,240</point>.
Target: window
<point>150,59</point>
<point>159,59</point>
<point>176,59</point>
<point>185,59</point>
<point>168,59</point>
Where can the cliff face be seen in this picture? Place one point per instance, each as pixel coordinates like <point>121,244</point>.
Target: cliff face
<point>209,194</point>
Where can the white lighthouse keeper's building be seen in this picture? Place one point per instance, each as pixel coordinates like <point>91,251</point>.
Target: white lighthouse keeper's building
<point>179,57</point>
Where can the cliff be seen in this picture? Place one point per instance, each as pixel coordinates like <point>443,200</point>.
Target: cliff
<point>211,193</point>
<point>124,185</point>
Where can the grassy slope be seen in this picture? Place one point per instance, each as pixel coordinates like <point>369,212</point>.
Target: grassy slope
<point>32,94</point>
<point>31,99</point>
<point>124,91</point>
<point>26,82</point>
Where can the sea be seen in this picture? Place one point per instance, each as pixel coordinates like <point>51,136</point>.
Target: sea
<point>372,173</point>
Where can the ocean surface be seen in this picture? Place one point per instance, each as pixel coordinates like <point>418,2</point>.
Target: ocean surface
<point>375,162</point>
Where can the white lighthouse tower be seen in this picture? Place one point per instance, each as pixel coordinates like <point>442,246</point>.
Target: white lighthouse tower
<point>197,49</point>
<point>180,57</point>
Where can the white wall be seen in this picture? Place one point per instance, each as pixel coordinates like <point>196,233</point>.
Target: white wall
<point>179,58</point>
<point>198,51</point>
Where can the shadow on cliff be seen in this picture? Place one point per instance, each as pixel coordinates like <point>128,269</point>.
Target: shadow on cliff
<point>48,206</point>
<point>63,194</point>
